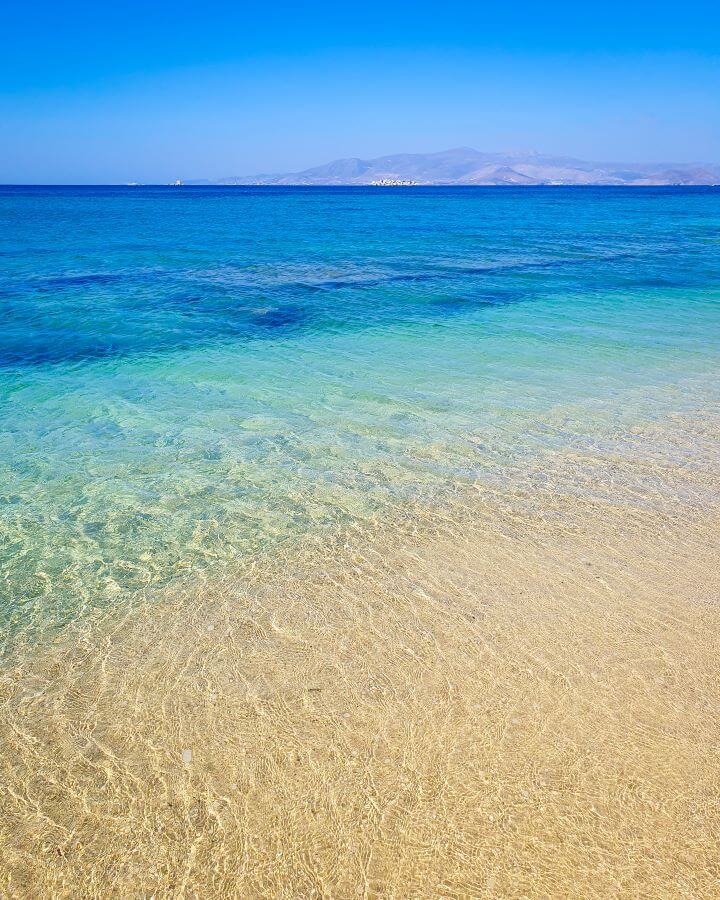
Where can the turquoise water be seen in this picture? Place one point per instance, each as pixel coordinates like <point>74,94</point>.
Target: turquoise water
<point>189,376</point>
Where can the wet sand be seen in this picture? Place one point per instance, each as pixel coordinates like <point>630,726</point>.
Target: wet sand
<point>514,692</point>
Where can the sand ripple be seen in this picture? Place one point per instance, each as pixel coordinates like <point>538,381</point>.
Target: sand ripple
<point>515,693</point>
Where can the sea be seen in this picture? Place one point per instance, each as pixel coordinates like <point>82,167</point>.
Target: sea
<point>191,376</point>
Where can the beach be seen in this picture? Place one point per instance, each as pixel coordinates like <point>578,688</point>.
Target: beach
<point>360,566</point>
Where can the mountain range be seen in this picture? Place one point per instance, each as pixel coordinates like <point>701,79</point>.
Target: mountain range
<point>464,165</point>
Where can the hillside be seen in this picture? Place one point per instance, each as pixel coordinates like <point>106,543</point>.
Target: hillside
<point>467,166</point>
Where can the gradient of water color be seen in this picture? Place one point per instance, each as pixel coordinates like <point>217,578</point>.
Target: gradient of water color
<point>188,376</point>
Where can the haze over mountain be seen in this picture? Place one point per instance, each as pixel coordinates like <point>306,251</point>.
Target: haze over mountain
<point>464,165</point>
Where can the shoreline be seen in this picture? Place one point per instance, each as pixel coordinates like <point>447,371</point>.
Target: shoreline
<point>507,695</point>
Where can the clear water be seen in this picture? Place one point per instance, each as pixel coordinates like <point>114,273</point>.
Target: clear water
<point>188,376</point>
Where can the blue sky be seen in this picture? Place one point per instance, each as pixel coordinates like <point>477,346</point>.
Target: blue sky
<point>109,93</point>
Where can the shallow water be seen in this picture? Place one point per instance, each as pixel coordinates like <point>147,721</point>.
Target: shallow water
<point>509,694</point>
<point>359,542</point>
<point>188,376</point>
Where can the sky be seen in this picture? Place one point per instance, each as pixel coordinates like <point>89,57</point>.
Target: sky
<point>109,93</point>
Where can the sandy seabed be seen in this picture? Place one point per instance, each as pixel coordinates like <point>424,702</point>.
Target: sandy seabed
<point>512,693</point>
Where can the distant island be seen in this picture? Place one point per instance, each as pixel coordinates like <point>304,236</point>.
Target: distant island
<point>464,165</point>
